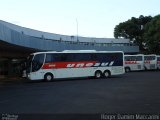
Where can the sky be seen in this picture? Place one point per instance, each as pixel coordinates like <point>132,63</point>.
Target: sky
<point>87,18</point>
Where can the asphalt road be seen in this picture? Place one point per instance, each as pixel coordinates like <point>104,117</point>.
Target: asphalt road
<point>136,92</point>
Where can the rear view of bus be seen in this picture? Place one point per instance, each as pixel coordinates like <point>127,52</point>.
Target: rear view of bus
<point>134,62</point>
<point>150,62</point>
<point>158,62</point>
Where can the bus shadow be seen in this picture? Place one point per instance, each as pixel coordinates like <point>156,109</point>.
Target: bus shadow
<point>75,79</point>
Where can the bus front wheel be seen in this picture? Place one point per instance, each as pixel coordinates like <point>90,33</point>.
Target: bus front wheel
<point>127,69</point>
<point>48,77</point>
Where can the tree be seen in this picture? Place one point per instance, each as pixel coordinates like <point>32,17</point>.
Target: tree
<point>152,35</point>
<point>133,29</point>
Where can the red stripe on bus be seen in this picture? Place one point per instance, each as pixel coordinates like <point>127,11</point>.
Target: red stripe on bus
<point>147,62</point>
<point>56,65</point>
<point>130,62</point>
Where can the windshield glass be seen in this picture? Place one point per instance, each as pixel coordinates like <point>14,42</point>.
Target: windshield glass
<point>28,63</point>
<point>37,62</point>
<point>133,58</point>
<point>149,57</point>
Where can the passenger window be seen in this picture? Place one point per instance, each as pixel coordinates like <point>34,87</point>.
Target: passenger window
<point>48,58</point>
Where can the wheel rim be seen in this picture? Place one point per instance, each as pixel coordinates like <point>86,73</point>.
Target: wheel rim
<point>98,75</point>
<point>106,74</point>
<point>49,78</point>
<point>127,69</point>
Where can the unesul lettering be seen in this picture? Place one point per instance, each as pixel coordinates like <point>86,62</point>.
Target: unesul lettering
<point>90,64</point>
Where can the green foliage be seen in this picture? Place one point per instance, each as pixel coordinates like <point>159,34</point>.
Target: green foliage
<point>133,29</point>
<point>152,35</point>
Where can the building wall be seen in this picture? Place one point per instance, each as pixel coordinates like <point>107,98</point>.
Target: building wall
<point>58,37</point>
<point>42,43</point>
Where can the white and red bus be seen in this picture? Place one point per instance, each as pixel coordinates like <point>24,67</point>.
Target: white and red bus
<point>74,63</point>
<point>150,62</point>
<point>158,62</point>
<point>134,62</point>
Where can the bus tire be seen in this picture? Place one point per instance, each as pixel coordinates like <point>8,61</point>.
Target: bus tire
<point>127,69</point>
<point>98,74</point>
<point>106,73</point>
<point>48,77</point>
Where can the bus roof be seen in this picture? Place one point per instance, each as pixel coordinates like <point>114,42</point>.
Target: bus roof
<point>150,55</point>
<point>135,55</point>
<point>78,51</point>
<point>67,51</point>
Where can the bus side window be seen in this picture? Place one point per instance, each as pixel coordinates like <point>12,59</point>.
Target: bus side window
<point>48,58</point>
<point>63,57</point>
<point>57,58</point>
<point>69,57</point>
<point>114,57</point>
<point>51,58</point>
<point>94,57</point>
<point>102,57</point>
<point>130,59</point>
<point>135,59</point>
<point>139,58</point>
<point>82,57</point>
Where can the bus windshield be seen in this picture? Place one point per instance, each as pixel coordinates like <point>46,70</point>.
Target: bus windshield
<point>34,63</point>
<point>37,62</point>
<point>149,57</point>
<point>28,63</point>
<point>133,58</point>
